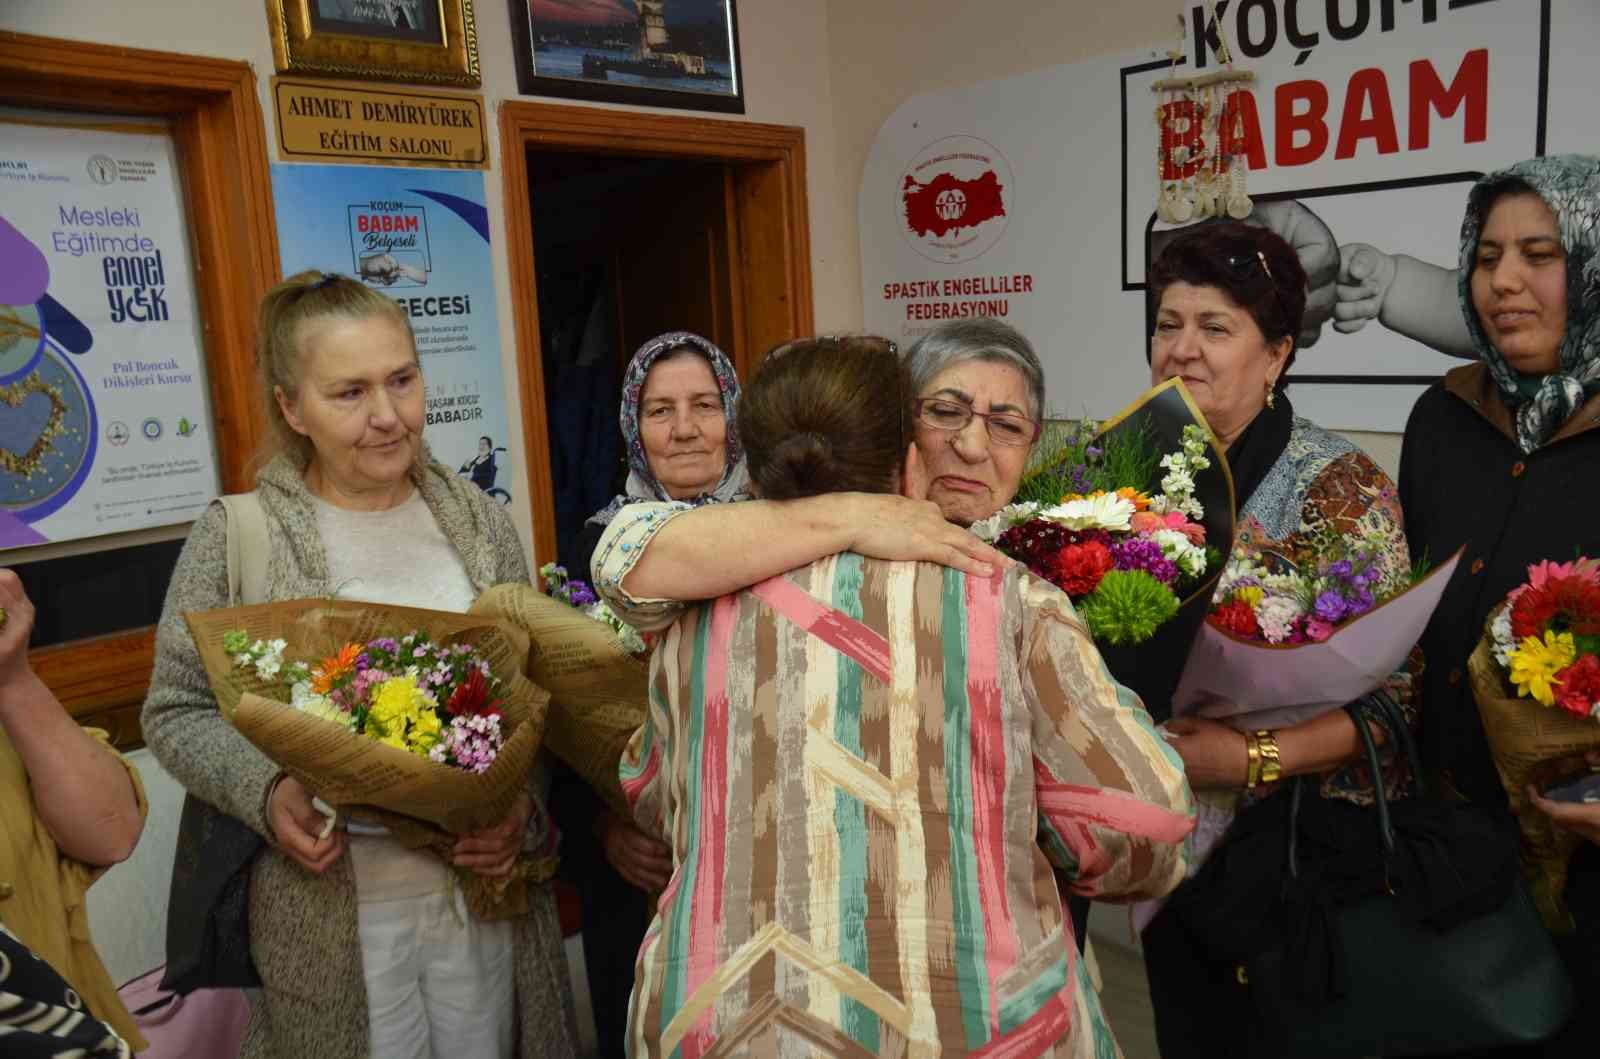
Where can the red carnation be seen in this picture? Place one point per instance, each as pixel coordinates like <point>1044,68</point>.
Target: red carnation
<point>1577,687</point>
<point>1078,568</point>
<point>472,697</point>
<point>1237,617</point>
<point>1573,599</point>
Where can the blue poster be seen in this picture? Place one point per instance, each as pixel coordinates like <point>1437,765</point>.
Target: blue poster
<point>421,236</point>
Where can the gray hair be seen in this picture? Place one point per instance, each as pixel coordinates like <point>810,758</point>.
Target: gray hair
<point>984,338</point>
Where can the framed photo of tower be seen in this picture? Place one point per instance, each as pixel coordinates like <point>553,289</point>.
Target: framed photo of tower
<point>424,41</point>
<point>657,53</point>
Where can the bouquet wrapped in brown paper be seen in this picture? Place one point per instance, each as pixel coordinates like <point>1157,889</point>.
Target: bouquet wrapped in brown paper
<point>597,687</point>
<point>1536,678</point>
<point>369,737</point>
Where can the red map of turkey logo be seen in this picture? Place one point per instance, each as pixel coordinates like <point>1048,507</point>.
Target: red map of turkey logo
<point>952,197</point>
<point>946,204</point>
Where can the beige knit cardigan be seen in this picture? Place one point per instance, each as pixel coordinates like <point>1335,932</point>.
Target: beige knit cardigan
<point>303,933</point>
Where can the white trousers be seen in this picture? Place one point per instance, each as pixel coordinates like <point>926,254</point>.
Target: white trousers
<point>439,981</point>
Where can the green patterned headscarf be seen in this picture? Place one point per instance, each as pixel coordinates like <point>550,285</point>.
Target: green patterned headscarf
<point>1570,186</point>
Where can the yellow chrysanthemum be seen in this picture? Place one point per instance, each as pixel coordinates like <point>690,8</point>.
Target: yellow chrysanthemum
<point>1535,663</point>
<point>399,709</point>
<point>425,732</point>
<point>1250,595</point>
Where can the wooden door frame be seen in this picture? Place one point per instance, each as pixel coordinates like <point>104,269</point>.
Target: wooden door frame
<point>768,193</point>
<point>220,137</point>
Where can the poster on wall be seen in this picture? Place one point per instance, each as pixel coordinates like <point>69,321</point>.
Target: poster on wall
<point>1033,198</point>
<point>104,417</point>
<point>420,236</point>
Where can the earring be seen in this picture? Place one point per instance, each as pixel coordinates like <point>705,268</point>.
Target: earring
<point>1272,396</point>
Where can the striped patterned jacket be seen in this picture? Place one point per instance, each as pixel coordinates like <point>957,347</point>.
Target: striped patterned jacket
<point>862,767</point>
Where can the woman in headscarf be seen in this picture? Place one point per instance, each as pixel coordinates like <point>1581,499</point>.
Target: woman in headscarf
<point>1503,457</point>
<point>679,396</point>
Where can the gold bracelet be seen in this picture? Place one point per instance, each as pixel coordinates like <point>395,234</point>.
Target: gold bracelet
<point>1252,768</point>
<point>1271,760</point>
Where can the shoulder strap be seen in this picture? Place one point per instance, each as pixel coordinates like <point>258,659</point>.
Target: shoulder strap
<point>247,548</point>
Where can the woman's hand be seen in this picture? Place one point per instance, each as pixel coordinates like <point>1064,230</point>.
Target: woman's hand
<point>893,527</point>
<point>1213,754</point>
<point>1582,820</point>
<point>297,827</point>
<point>493,850</point>
<point>638,858</point>
<point>15,630</point>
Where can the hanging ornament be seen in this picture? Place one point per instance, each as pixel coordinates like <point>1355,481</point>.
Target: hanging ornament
<point>1196,175</point>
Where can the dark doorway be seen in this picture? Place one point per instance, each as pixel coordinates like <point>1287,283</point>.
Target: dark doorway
<point>626,248</point>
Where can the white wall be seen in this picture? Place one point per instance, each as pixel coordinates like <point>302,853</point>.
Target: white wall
<point>783,45</point>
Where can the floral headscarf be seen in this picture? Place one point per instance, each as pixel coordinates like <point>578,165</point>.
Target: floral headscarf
<point>642,484</point>
<point>1570,186</point>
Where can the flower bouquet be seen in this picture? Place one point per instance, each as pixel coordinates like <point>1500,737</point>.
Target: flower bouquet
<point>1130,518</point>
<point>1291,637</point>
<point>596,674</point>
<point>1536,678</point>
<point>420,721</point>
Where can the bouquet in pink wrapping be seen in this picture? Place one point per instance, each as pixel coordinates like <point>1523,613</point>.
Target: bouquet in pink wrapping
<point>1291,637</point>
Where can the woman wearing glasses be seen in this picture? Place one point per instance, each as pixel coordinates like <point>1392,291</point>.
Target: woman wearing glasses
<point>1230,301</point>
<point>655,556</point>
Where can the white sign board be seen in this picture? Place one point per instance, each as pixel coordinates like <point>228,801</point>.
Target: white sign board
<point>1032,198</point>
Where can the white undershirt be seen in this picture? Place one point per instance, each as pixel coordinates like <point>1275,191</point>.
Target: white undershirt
<point>398,556</point>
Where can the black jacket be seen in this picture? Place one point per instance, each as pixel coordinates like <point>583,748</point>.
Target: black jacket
<point>1464,481</point>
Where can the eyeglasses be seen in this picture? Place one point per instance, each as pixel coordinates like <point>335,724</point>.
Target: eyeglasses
<point>1246,263</point>
<point>1004,428</point>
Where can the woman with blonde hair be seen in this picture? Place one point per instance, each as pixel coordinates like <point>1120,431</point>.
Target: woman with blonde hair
<point>363,947</point>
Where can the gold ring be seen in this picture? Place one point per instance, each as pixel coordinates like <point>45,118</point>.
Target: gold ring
<point>4,617</point>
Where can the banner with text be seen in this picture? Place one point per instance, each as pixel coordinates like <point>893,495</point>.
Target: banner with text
<point>104,420</point>
<point>1032,198</point>
<point>421,236</point>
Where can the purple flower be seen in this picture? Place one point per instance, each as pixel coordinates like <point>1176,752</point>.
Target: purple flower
<point>1331,607</point>
<point>1142,553</point>
<point>1360,602</point>
<point>582,595</point>
<point>1341,570</point>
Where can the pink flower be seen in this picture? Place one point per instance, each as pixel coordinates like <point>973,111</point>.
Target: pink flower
<point>1145,523</point>
<point>1318,630</point>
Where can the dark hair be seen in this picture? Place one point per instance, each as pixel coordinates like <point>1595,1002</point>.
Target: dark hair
<point>1229,256</point>
<point>826,415</point>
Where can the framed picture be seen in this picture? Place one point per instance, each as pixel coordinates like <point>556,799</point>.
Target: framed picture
<point>657,53</point>
<point>426,41</point>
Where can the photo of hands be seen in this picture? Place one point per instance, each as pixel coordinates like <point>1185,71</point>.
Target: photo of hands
<point>387,269</point>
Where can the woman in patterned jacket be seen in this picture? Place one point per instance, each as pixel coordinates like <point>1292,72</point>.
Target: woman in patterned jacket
<point>855,763</point>
<point>1230,300</point>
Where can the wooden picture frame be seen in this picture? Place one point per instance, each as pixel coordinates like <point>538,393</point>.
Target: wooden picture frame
<point>653,61</point>
<point>435,41</point>
<point>215,111</point>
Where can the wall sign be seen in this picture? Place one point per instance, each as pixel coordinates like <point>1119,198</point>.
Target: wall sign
<point>1032,198</point>
<point>104,421</point>
<point>325,122</point>
<point>421,237</point>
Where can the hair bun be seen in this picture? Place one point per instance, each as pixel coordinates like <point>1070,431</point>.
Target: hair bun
<point>800,465</point>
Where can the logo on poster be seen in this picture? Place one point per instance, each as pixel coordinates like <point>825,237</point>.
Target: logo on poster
<point>952,199</point>
<point>102,168</point>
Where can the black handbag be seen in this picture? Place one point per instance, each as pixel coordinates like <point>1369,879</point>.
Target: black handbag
<point>1402,985</point>
<point>208,907</point>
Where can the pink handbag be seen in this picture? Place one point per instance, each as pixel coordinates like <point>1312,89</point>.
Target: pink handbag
<point>204,1024</point>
